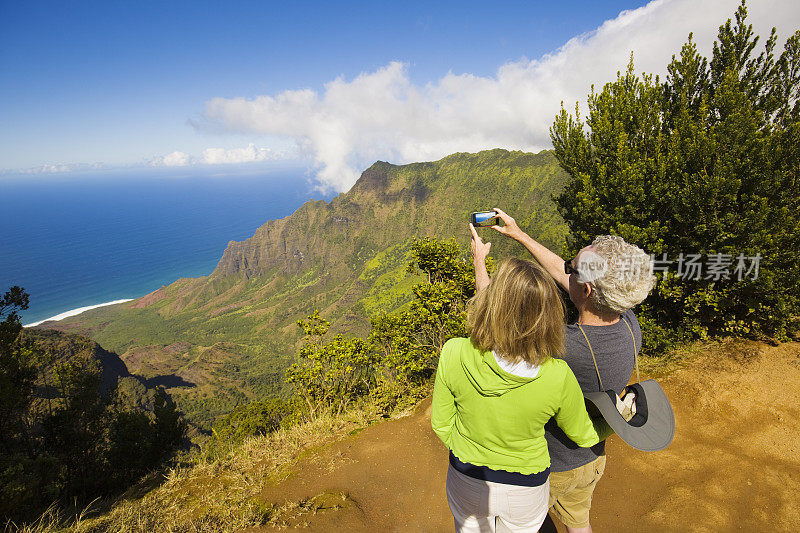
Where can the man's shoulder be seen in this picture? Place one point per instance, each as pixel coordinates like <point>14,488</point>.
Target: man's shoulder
<point>574,331</point>
<point>604,340</point>
<point>574,339</point>
<point>630,316</point>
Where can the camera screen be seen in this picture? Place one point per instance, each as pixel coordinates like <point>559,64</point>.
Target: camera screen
<point>483,217</point>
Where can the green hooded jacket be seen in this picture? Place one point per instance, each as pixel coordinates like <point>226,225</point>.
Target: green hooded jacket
<point>489,417</point>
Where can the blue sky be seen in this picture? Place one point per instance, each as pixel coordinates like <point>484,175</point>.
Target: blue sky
<point>117,81</point>
<point>130,82</point>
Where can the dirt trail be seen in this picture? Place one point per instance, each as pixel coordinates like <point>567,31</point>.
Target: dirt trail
<point>734,464</point>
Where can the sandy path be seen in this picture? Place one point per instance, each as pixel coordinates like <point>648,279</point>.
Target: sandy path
<point>734,464</point>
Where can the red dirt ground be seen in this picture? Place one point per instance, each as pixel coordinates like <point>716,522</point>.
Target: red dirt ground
<point>734,464</point>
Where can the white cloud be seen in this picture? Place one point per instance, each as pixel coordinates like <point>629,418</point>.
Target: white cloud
<point>382,115</point>
<point>210,156</point>
<point>218,156</point>
<point>222,156</point>
<point>56,168</point>
<point>175,159</point>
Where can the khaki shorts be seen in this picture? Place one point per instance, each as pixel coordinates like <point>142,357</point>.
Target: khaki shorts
<point>571,492</point>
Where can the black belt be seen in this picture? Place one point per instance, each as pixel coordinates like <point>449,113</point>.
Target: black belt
<point>499,476</point>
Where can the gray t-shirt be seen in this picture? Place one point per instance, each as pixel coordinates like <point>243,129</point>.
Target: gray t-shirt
<point>614,351</point>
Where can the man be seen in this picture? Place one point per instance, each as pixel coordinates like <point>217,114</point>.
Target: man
<point>604,281</point>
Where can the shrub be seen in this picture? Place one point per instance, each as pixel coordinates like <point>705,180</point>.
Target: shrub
<point>703,163</point>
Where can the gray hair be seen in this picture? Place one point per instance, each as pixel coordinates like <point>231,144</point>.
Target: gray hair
<point>627,277</point>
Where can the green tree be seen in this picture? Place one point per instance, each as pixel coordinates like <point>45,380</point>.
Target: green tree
<point>703,163</point>
<point>330,375</point>
<point>22,469</point>
<point>255,418</point>
<point>17,371</point>
<point>62,439</point>
<point>140,440</point>
<point>410,340</point>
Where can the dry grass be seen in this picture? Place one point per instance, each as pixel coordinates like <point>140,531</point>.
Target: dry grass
<point>220,493</point>
<point>47,522</point>
<point>215,494</point>
<point>709,353</point>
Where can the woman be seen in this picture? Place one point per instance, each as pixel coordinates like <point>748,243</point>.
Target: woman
<point>495,391</point>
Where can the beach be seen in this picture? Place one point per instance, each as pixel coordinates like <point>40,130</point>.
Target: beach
<point>81,240</point>
<point>77,311</point>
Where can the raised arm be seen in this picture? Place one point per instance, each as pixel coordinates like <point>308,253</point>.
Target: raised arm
<point>551,262</point>
<point>479,252</point>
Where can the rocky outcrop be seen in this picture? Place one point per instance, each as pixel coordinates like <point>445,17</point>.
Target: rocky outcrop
<point>291,244</point>
<point>68,347</point>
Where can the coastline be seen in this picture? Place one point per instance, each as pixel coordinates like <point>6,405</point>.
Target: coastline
<point>74,312</point>
<point>147,239</point>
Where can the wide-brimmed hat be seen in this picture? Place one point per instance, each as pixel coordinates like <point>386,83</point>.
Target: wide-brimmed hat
<point>652,428</point>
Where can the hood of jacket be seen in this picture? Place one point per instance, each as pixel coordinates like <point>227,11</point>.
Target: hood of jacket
<point>487,377</point>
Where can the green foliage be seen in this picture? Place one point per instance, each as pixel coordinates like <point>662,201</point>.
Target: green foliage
<point>400,353</point>
<point>410,340</point>
<point>439,260</point>
<point>703,163</point>
<point>15,299</point>
<point>62,439</point>
<point>17,370</point>
<point>251,419</point>
<point>330,375</point>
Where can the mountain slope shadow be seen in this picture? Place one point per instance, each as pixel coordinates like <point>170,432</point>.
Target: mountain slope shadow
<point>168,381</point>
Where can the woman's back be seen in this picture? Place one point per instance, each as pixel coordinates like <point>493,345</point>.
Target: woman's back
<point>490,417</point>
<point>493,420</point>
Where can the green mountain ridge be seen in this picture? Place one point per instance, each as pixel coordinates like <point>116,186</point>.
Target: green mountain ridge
<point>65,348</point>
<point>61,348</point>
<point>227,338</point>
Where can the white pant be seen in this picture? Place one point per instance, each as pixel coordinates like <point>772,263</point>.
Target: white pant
<point>485,506</point>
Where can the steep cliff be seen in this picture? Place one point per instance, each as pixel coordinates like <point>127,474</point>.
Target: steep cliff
<point>229,336</point>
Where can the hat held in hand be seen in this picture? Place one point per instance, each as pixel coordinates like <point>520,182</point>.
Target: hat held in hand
<point>647,423</point>
<point>651,428</point>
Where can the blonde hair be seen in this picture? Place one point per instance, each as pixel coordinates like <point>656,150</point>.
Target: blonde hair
<point>520,315</point>
<point>628,277</point>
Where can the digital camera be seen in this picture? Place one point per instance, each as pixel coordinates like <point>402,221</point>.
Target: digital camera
<point>484,218</point>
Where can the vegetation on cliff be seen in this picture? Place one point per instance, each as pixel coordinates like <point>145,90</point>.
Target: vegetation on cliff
<point>224,340</point>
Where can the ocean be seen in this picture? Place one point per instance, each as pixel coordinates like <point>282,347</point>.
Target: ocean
<point>85,239</point>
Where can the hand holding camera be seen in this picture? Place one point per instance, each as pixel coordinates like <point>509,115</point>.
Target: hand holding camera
<point>509,227</point>
<point>491,219</point>
<point>478,248</point>
<point>479,252</point>
<point>483,219</point>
